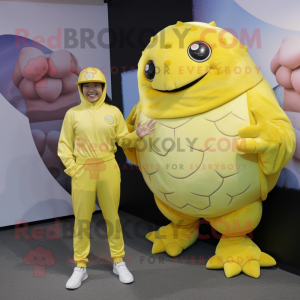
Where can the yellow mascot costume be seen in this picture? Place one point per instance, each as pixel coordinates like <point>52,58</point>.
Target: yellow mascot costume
<point>221,140</point>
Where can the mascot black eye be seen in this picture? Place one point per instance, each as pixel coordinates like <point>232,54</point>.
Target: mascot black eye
<point>150,70</point>
<point>199,51</point>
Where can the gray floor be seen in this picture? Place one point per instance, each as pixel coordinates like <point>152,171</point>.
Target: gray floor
<point>156,276</point>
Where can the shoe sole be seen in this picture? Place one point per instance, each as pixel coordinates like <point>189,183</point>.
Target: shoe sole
<point>83,279</point>
<point>115,272</point>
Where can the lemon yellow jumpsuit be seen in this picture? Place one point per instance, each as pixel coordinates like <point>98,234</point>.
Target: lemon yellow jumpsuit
<point>86,148</point>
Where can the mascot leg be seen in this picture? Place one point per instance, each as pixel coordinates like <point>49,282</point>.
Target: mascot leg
<point>236,252</point>
<point>175,237</point>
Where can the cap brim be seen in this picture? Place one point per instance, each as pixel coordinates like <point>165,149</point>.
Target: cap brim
<point>87,81</point>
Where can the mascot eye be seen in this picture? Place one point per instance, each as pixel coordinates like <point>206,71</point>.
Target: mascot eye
<point>36,68</point>
<point>199,51</point>
<point>45,68</point>
<point>150,70</point>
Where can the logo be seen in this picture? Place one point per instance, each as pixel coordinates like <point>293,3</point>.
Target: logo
<point>89,75</point>
<point>109,119</point>
<point>39,258</point>
<point>94,166</point>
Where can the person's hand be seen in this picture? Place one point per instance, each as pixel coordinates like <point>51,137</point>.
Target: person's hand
<point>143,130</point>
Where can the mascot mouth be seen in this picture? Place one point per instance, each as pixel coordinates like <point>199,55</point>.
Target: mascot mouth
<point>183,87</point>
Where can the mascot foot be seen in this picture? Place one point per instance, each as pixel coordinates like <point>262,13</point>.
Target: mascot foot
<point>239,254</point>
<point>173,238</point>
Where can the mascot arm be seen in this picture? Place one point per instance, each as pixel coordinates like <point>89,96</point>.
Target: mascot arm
<point>130,122</point>
<point>271,134</point>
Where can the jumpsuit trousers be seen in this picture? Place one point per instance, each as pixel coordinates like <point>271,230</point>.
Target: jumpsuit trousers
<point>102,179</point>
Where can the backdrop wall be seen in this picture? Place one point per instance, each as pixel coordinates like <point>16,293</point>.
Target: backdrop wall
<point>63,39</point>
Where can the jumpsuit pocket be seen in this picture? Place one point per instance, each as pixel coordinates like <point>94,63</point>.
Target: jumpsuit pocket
<point>74,171</point>
<point>71,171</point>
<point>77,169</point>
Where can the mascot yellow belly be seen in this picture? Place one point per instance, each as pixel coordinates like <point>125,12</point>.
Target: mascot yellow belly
<point>192,165</point>
<point>221,140</point>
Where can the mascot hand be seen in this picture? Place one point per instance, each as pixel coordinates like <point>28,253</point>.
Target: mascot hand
<point>266,140</point>
<point>260,137</point>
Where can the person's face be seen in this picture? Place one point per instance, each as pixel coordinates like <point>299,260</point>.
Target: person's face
<point>92,91</point>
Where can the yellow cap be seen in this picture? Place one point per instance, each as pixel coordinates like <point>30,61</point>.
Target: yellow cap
<point>91,75</point>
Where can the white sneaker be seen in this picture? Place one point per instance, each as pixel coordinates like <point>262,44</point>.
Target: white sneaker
<point>77,277</point>
<point>124,275</point>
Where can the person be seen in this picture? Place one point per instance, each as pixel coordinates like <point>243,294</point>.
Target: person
<point>86,147</point>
